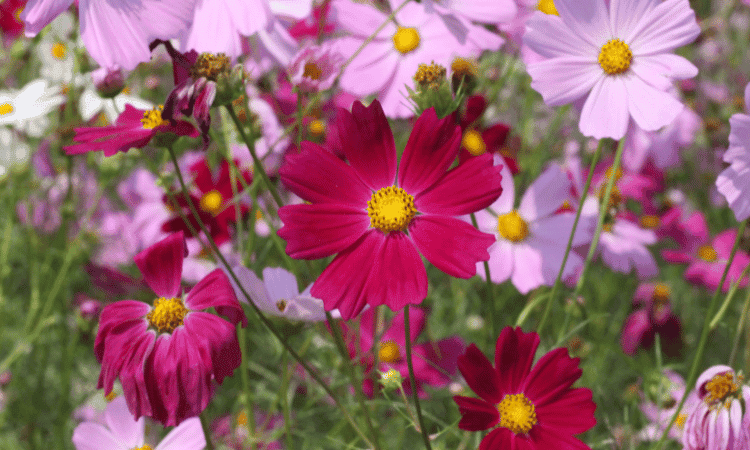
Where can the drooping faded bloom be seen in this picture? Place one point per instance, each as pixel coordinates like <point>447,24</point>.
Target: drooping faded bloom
<point>617,58</point>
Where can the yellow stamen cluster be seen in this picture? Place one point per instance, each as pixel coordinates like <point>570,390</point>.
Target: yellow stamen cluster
<point>517,413</point>
<point>661,293</point>
<point>145,447</point>
<point>312,71</point>
<point>707,253</point>
<point>389,352</point>
<point>317,128</point>
<point>615,198</point>
<point>512,227</point>
<point>391,209</point>
<point>211,66</point>
<point>463,67</point>
<point>152,118</point>
<point>680,421</point>
<point>211,202</point>
<point>241,419</point>
<point>649,221</point>
<point>473,142</point>
<point>615,57</point>
<point>430,76</point>
<point>406,39</point>
<point>281,305</point>
<point>59,50</point>
<point>547,7</point>
<point>5,108</point>
<point>722,389</point>
<point>167,314</point>
<point>111,396</point>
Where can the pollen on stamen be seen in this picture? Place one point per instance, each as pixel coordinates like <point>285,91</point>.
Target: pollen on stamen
<point>512,227</point>
<point>389,352</point>
<point>429,76</point>
<point>152,118</point>
<point>473,142</point>
<point>649,221</point>
<point>211,66</point>
<point>721,389</point>
<point>615,57</point>
<point>59,51</point>
<point>547,7</point>
<point>391,209</point>
<point>517,413</point>
<point>312,71</point>
<point>406,39</point>
<point>167,314</point>
<point>145,447</point>
<point>707,253</point>
<point>211,202</point>
<point>5,108</point>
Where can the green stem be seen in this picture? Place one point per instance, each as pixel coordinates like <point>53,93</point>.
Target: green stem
<point>488,281</point>
<point>206,433</point>
<point>556,286</point>
<point>697,360</point>
<point>740,327</point>
<point>412,380</point>
<point>248,399</point>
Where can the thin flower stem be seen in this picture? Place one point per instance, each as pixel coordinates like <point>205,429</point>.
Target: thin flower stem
<point>698,359</point>
<point>740,327</point>
<point>488,280</point>
<point>248,399</point>
<point>277,334</point>
<point>556,286</point>
<point>727,300</point>
<point>258,166</point>
<point>206,433</point>
<point>284,394</point>
<point>412,380</point>
<point>354,379</point>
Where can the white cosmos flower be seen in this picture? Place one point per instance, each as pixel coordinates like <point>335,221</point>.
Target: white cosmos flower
<point>27,109</point>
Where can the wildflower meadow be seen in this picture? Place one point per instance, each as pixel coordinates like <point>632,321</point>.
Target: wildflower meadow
<point>374,224</point>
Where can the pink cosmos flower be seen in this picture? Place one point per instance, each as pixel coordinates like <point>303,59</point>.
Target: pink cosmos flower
<point>734,182</point>
<point>116,33</point>
<point>371,218</point>
<point>314,68</point>
<point>532,239</point>
<point>434,362</point>
<point>653,315</point>
<point>483,11</point>
<point>707,257</point>
<point>391,59</point>
<point>660,402</point>
<point>617,58</point>
<point>121,432</point>
<point>134,128</point>
<point>716,422</point>
<point>167,356</point>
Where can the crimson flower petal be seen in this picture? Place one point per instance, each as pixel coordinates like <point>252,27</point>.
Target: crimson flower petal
<point>458,191</point>
<point>215,290</point>
<point>113,315</point>
<point>132,376</point>
<point>161,265</point>
<point>552,375</point>
<point>431,149</point>
<point>451,245</point>
<point>480,375</point>
<point>398,276</point>
<point>320,230</point>
<point>514,355</point>
<point>476,414</point>
<point>217,342</point>
<point>499,438</point>
<point>571,413</point>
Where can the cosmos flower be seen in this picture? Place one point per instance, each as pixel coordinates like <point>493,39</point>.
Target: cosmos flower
<point>167,356</point>
<point>617,58</point>
<point>26,109</point>
<point>733,183</point>
<point>661,398</point>
<point>315,68</point>
<point>526,407</point>
<point>653,315</point>
<point>371,218</point>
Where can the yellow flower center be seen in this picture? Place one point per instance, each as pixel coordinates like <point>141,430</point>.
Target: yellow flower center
<point>547,7</point>
<point>167,314</point>
<point>615,198</point>
<point>721,387</point>
<point>473,142</point>
<point>111,396</point>
<point>241,419</point>
<point>152,118</point>
<point>391,209</point>
<point>512,227</point>
<point>649,221</point>
<point>429,76</point>
<point>517,413</point>
<point>615,57</point>
<point>145,447</point>
<point>463,67</point>
<point>59,50</point>
<point>661,293</point>
<point>608,173</point>
<point>17,13</point>
<point>317,127</point>
<point>389,352</point>
<point>391,376</point>
<point>281,305</point>
<point>211,202</point>
<point>707,253</point>
<point>211,66</point>
<point>680,421</point>
<point>406,39</point>
<point>6,108</point>
<point>312,71</point>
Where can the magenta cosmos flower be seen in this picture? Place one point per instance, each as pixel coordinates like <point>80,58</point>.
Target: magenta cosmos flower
<point>616,57</point>
<point>716,422</point>
<point>526,408</point>
<point>378,221</point>
<point>652,314</point>
<point>734,183</point>
<point>168,355</point>
<point>134,128</point>
<point>122,432</point>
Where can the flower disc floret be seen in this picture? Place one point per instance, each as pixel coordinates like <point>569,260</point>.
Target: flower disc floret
<point>661,293</point>
<point>59,51</point>
<point>145,447</point>
<point>152,118</point>
<point>317,127</point>
<point>707,253</point>
<point>312,71</point>
<point>649,221</point>
<point>5,108</point>
<point>211,202</point>
<point>722,388</point>
<point>517,413</point>
<point>512,227</point>
<point>473,142</point>
<point>167,314</point>
<point>211,66</point>
<point>389,352</point>
<point>391,209</point>
<point>406,39</point>
<point>615,57</point>
<point>547,7</point>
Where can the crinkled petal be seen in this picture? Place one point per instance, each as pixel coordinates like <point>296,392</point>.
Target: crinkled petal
<point>215,290</point>
<point>552,375</point>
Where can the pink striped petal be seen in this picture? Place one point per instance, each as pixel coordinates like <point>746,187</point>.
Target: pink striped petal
<point>39,13</point>
<point>186,436</point>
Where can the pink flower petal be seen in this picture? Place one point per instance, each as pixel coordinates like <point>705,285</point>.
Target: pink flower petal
<point>589,19</point>
<point>479,374</point>
<point>624,16</point>
<point>551,376</point>
<point>651,108</point>
<point>186,436</point>
<point>514,354</point>
<point>161,265</point>
<point>451,245</point>
<point>215,290</point>
<point>93,436</point>
<point>320,230</point>
<point>39,13</point>
<point>546,194</point>
<point>216,340</point>
<point>501,261</point>
<point>124,427</point>
<point>571,413</point>
<point>604,113</point>
<point>669,25</point>
<point>397,274</point>
<point>476,414</point>
<point>565,79</point>
<point>549,36</point>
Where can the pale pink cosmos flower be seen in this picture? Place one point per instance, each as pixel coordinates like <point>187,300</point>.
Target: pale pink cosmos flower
<point>531,240</point>
<point>617,58</point>
<point>716,422</point>
<point>116,32</point>
<point>315,68</point>
<point>660,403</point>
<point>483,11</point>
<point>734,182</point>
<point>389,61</point>
<point>121,432</point>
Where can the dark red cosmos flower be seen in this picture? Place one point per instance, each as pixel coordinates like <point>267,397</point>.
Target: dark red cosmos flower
<point>526,408</point>
<point>167,356</point>
<point>213,202</point>
<point>653,314</point>
<point>134,128</point>
<point>10,18</point>
<point>477,139</point>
